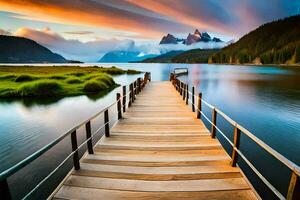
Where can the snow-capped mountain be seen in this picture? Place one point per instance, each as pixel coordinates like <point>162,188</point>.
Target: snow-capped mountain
<point>191,38</point>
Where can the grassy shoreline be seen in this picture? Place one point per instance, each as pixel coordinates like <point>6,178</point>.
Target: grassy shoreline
<point>56,81</point>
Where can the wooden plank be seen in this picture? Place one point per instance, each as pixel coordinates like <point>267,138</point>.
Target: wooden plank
<point>162,186</point>
<point>154,121</point>
<point>70,192</point>
<point>160,137</point>
<point>159,170</point>
<point>128,152</point>
<point>157,177</point>
<point>157,159</point>
<point>157,163</point>
<point>159,148</point>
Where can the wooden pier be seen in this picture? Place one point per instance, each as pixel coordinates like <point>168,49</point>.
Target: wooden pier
<point>157,150</point>
<point>154,145</point>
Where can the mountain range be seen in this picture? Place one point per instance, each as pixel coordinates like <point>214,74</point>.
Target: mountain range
<point>124,56</point>
<point>22,50</point>
<point>191,38</point>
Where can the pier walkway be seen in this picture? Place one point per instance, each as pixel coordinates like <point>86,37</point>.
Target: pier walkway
<point>157,150</point>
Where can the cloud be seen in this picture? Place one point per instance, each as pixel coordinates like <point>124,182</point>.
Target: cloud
<point>235,17</point>
<point>161,49</point>
<point>151,18</point>
<point>79,32</point>
<point>74,49</point>
<point>4,32</point>
<point>116,15</point>
<point>92,51</point>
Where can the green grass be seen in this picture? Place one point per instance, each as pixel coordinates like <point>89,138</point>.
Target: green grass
<point>40,88</point>
<point>59,81</point>
<point>73,80</point>
<point>94,86</point>
<point>25,78</point>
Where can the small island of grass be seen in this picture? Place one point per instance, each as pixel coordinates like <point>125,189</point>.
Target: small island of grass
<point>56,81</point>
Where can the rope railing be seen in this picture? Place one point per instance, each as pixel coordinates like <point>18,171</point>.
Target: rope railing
<point>188,96</point>
<point>121,101</point>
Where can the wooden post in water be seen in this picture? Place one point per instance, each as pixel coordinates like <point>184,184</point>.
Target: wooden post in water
<point>294,187</point>
<point>214,123</point>
<point>75,150</point>
<point>187,94</point>
<point>89,136</point>
<point>4,190</point>
<point>124,98</point>
<point>199,105</point>
<point>193,99</point>
<point>106,122</point>
<point>119,106</point>
<point>236,142</point>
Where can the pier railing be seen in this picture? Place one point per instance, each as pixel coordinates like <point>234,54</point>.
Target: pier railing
<point>189,96</point>
<point>120,103</point>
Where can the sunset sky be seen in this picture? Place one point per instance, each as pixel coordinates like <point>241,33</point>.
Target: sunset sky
<point>86,29</point>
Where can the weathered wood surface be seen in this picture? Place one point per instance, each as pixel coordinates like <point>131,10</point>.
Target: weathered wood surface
<point>159,150</point>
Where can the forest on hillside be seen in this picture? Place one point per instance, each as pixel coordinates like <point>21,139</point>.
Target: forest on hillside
<point>277,42</point>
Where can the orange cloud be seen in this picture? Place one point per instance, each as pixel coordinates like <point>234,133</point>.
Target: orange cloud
<point>186,13</point>
<point>90,13</point>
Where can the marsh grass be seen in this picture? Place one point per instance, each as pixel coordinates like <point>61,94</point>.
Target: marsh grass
<point>25,78</point>
<point>17,82</point>
<point>40,88</point>
<point>73,80</point>
<point>93,86</point>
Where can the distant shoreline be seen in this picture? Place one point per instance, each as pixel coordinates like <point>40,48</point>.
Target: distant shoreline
<point>95,64</point>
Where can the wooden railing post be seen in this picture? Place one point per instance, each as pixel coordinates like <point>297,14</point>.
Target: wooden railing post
<point>139,85</point>
<point>180,88</point>
<point>134,90</point>
<point>183,91</point>
<point>214,123</point>
<point>75,150</point>
<point>89,136</point>
<point>193,99</point>
<point>130,96</point>
<point>294,187</point>
<point>4,190</point>
<point>124,98</point>
<point>187,94</point>
<point>236,144</point>
<point>119,106</point>
<point>199,105</point>
<point>106,122</point>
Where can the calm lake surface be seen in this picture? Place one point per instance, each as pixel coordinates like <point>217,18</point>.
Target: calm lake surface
<point>263,99</point>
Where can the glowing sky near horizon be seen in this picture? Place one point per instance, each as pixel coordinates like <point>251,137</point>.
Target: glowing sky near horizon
<point>95,22</point>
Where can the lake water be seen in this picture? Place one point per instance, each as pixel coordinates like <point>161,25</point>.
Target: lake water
<point>263,99</point>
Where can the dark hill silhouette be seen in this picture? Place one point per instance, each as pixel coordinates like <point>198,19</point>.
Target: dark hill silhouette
<point>22,50</point>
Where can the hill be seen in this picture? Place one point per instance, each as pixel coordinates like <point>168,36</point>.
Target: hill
<point>277,42</point>
<point>163,58</point>
<point>190,56</point>
<point>23,50</point>
<point>194,56</point>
